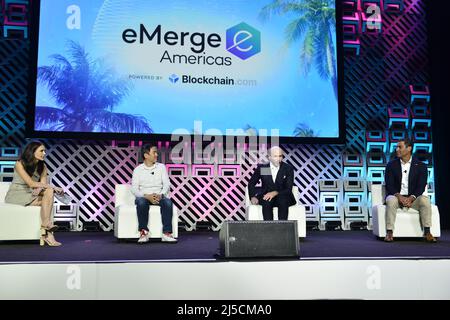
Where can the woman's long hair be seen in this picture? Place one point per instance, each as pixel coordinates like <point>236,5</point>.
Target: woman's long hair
<point>29,161</point>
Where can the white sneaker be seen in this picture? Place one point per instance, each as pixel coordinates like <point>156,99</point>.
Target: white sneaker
<point>144,236</point>
<point>168,238</point>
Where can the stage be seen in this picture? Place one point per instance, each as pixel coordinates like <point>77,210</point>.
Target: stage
<point>332,265</point>
<point>87,247</point>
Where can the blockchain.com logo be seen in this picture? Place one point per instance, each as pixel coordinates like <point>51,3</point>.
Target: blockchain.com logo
<point>174,78</point>
<point>243,41</point>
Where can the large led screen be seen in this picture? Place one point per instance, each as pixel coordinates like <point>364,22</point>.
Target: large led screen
<point>153,67</point>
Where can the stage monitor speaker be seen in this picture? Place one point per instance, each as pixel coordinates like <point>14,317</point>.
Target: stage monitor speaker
<point>254,239</point>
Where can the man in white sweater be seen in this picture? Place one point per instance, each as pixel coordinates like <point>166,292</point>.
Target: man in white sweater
<point>150,185</point>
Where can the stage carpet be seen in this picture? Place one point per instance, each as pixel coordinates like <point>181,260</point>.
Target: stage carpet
<point>204,246</point>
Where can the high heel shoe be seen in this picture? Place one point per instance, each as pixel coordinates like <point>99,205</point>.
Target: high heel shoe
<point>45,239</point>
<point>51,228</point>
<point>43,235</point>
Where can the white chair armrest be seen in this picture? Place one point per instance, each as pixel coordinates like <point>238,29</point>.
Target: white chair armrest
<point>377,194</point>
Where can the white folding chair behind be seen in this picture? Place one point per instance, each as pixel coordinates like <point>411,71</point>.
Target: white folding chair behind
<point>18,222</point>
<point>407,222</point>
<point>125,218</point>
<point>296,212</point>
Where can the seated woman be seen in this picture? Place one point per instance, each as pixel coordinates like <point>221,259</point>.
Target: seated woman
<point>30,188</point>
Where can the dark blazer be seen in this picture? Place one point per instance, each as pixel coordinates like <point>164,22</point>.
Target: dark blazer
<point>283,182</point>
<point>417,179</point>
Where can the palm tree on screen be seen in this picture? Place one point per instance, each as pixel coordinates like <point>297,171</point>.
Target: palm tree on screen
<point>303,130</point>
<point>250,130</point>
<point>86,92</point>
<point>313,22</point>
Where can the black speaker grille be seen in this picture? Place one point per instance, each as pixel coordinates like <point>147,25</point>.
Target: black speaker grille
<point>251,239</point>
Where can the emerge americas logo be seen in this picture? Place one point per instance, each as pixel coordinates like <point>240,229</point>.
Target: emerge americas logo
<point>243,41</point>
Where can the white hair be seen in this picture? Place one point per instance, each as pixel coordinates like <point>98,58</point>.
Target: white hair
<point>273,149</point>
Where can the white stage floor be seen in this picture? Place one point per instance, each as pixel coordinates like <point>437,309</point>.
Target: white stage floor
<point>232,280</point>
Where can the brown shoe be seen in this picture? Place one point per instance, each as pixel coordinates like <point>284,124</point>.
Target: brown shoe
<point>429,238</point>
<point>389,237</point>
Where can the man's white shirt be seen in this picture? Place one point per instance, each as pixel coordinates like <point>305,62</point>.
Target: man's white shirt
<point>274,171</point>
<point>406,166</point>
<point>148,180</point>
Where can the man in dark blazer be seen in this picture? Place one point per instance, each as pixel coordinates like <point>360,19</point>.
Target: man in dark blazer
<point>406,179</point>
<point>277,179</point>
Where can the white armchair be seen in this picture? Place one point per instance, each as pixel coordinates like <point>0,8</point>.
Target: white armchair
<point>296,212</point>
<point>407,222</point>
<point>126,221</point>
<point>18,222</point>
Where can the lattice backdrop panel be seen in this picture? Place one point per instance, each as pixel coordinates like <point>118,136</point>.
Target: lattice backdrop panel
<point>374,79</point>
